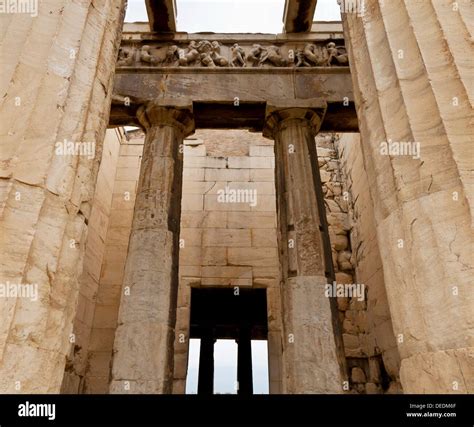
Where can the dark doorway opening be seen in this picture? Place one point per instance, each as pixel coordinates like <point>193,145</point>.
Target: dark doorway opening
<point>233,314</point>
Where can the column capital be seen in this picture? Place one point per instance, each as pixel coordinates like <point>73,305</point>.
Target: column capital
<point>179,116</point>
<point>279,118</point>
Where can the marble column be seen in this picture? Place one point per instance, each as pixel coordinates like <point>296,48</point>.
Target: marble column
<point>56,82</point>
<point>143,347</point>
<point>410,66</point>
<point>310,357</point>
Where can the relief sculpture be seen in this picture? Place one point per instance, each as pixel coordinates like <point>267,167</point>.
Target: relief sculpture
<point>216,56</point>
<point>205,53</point>
<point>239,58</point>
<point>190,56</point>
<point>147,56</point>
<point>337,54</point>
<point>125,56</point>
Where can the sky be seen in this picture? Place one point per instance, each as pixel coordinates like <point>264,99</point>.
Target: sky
<point>232,16</point>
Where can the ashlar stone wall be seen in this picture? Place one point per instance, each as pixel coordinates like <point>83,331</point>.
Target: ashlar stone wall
<point>234,244</point>
<point>369,341</point>
<point>227,241</point>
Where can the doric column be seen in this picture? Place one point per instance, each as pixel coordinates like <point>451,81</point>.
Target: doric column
<point>310,357</point>
<point>143,347</point>
<point>57,69</point>
<point>410,70</point>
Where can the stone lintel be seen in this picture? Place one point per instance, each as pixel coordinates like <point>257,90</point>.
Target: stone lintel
<point>298,15</point>
<point>158,113</point>
<point>248,115</point>
<point>161,15</point>
<point>332,27</point>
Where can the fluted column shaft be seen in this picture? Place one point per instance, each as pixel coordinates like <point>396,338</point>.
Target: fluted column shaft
<point>409,68</point>
<point>55,89</point>
<point>143,347</point>
<point>310,360</point>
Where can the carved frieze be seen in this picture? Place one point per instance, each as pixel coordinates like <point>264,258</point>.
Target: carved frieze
<point>205,53</point>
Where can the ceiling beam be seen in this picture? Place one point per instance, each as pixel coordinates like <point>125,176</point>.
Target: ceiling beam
<point>161,15</point>
<point>298,15</point>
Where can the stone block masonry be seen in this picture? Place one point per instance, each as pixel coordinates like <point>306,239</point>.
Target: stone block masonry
<point>230,239</point>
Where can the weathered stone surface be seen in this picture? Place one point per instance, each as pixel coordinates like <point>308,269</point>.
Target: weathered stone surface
<point>446,372</point>
<point>423,209</point>
<point>358,375</point>
<point>89,295</point>
<point>161,15</point>
<point>57,75</point>
<point>151,272</point>
<point>298,15</point>
<point>302,260</point>
<point>398,224</point>
<point>308,338</point>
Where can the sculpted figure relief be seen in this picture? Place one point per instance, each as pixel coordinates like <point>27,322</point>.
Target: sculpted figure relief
<point>239,58</point>
<point>189,57</point>
<point>322,56</point>
<point>301,59</point>
<point>172,55</point>
<point>259,55</point>
<point>146,56</point>
<point>316,55</point>
<point>218,59</point>
<point>337,54</point>
<point>209,54</point>
<point>125,57</point>
<point>274,57</point>
<point>256,54</point>
<point>205,53</point>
